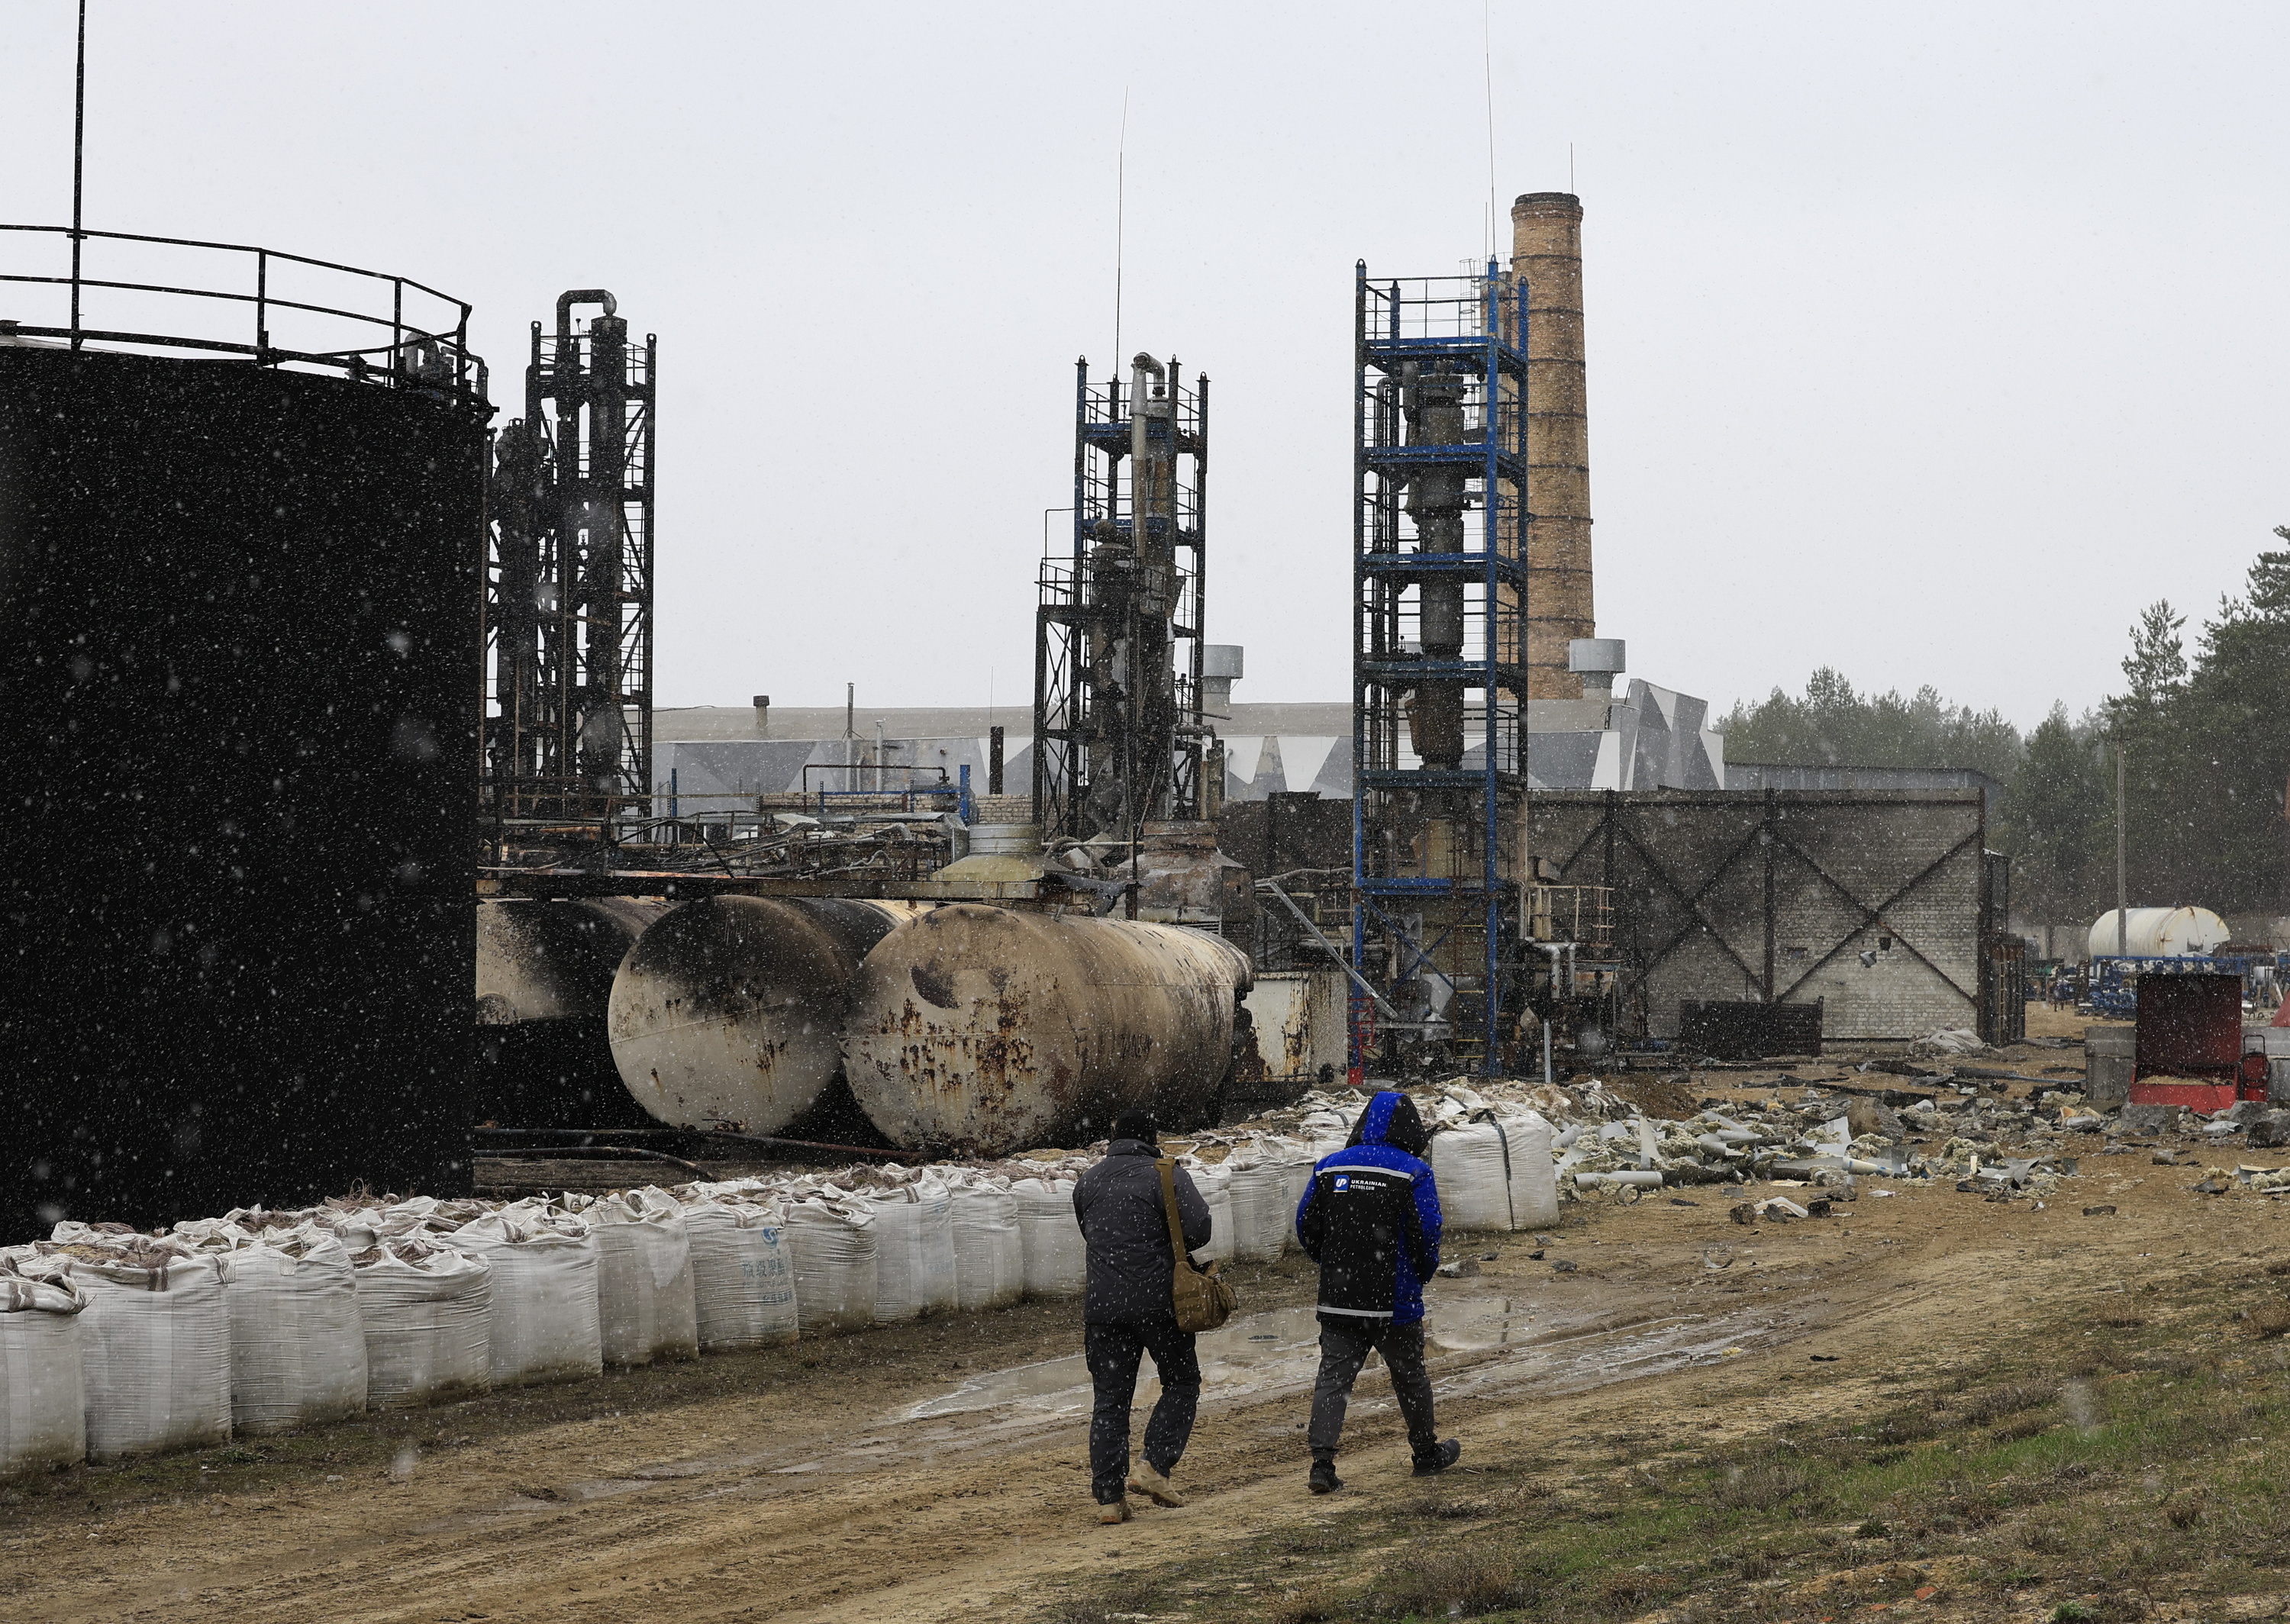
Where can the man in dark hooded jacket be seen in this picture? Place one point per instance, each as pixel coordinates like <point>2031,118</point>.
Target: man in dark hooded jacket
<point>1370,1221</point>
<point>1130,1312</point>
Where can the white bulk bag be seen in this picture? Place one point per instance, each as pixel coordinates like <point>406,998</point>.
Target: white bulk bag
<point>1296,1166</point>
<point>1215,1186</point>
<point>1474,1185</point>
<point>1534,1175</point>
<point>43,1394</point>
<point>541,1317</point>
<point>1049,1237</point>
<point>989,1257</point>
<point>424,1307</point>
<point>297,1348</point>
<point>155,1346</point>
<point>645,1308</point>
<point>833,1240</point>
<point>914,1251</point>
<point>742,1276</point>
<point>1262,1213</point>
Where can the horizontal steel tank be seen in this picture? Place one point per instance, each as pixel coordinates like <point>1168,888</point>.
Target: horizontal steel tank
<point>545,974</point>
<point>2160,933</point>
<point>984,1031</point>
<point>728,1012</point>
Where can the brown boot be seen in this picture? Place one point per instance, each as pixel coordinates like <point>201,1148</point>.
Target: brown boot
<point>1114,1511</point>
<point>1155,1485</point>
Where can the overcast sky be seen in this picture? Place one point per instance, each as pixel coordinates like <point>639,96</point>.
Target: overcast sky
<point>1930,341</point>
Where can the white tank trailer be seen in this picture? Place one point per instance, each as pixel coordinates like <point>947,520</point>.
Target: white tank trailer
<point>2160,933</point>
<point>984,1031</point>
<point>728,1012</point>
<point>545,973</point>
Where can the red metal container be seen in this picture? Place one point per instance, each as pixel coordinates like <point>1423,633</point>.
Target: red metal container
<point>2190,1033</point>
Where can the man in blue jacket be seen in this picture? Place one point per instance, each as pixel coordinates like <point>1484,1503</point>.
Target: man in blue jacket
<point>1370,1221</point>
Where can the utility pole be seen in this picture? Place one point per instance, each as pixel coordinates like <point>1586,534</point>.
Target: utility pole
<point>2122,886</point>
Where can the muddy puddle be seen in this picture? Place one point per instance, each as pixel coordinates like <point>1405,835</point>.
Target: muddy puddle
<point>1481,1345</point>
<point>1258,1352</point>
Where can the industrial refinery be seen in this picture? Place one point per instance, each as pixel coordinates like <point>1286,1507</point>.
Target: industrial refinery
<point>672,851</point>
<point>743,934</point>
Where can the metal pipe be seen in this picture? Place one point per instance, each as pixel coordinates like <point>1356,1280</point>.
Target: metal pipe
<point>580,296</point>
<point>2122,883</point>
<point>79,148</point>
<point>745,1139</point>
<point>593,1153</point>
<point>1329,948</point>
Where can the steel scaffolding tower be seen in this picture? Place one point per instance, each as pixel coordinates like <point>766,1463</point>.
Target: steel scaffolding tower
<point>1119,739</point>
<point>569,583</point>
<point>1438,669</point>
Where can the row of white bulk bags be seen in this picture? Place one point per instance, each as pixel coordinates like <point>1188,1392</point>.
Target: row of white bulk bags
<point>42,1394</point>
<point>154,1342</point>
<point>425,1310</point>
<point>742,1273</point>
<point>1056,1257</point>
<point>914,1251</point>
<point>833,1240</point>
<point>645,1308</point>
<point>989,1256</point>
<point>298,1353</point>
<point>1215,1186</point>
<point>542,1311</point>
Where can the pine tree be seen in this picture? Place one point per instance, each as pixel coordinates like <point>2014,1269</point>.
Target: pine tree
<point>2058,823</point>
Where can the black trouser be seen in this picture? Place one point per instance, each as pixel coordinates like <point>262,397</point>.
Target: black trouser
<point>1113,1350</point>
<point>1344,1343</point>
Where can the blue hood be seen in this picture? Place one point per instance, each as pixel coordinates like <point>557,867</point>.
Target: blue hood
<point>1391,1119</point>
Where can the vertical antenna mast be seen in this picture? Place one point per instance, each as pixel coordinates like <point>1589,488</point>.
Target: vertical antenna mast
<point>1120,213</point>
<point>79,150</point>
<point>1487,60</point>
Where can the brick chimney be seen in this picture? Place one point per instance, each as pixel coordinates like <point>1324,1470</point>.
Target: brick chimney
<point>1547,253</point>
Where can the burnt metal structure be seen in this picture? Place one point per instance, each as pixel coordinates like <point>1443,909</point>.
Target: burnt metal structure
<point>1438,668</point>
<point>1883,905</point>
<point>241,516</point>
<point>1119,735</point>
<point>569,585</point>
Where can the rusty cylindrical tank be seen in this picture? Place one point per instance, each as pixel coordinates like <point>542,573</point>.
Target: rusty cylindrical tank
<point>985,1031</point>
<point>728,1014</point>
<point>544,974</point>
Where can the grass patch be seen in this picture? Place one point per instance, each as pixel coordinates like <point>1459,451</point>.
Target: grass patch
<point>1455,1581</point>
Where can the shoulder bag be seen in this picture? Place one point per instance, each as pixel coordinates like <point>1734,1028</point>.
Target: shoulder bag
<point>1201,1298</point>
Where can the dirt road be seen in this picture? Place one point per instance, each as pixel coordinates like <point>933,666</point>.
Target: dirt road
<point>919,1474</point>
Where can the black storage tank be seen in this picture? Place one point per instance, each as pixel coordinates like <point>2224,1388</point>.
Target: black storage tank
<point>239,646</point>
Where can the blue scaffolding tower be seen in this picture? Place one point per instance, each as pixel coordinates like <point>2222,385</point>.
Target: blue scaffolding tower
<point>1439,674</point>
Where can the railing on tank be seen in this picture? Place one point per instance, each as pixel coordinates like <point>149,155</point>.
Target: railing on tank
<point>408,335</point>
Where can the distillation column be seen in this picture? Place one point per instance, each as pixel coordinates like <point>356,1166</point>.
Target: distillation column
<point>1118,731</point>
<point>1433,403</point>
